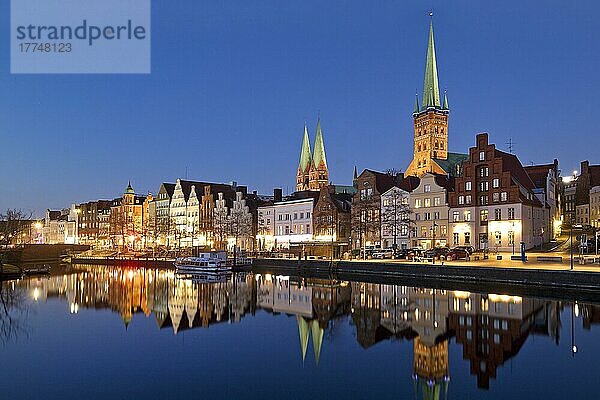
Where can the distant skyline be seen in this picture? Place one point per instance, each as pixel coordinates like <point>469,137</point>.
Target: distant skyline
<point>233,83</point>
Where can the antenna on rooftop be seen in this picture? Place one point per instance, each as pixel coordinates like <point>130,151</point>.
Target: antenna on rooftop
<point>511,145</point>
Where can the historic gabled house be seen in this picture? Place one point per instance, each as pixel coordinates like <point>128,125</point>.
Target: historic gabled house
<point>429,202</point>
<point>366,205</point>
<point>494,205</point>
<point>332,221</point>
<point>545,179</point>
<point>128,218</point>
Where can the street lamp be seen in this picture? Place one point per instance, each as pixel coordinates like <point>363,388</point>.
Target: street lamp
<point>513,238</point>
<point>573,345</point>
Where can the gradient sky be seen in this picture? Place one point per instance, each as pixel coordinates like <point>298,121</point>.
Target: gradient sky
<point>233,81</point>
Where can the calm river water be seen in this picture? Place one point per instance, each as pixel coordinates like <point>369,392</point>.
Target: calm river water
<point>119,333</point>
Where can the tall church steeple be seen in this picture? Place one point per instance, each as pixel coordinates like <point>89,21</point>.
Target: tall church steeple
<point>319,174</point>
<point>313,173</point>
<point>304,166</point>
<point>431,87</point>
<point>430,120</point>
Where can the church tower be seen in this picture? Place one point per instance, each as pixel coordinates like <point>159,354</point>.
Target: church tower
<point>303,175</point>
<point>319,174</point>
<point>430,121</point>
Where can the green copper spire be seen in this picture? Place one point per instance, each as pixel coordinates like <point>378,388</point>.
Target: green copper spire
<point>416,110</point>
<point>445,105</point>
<point>129,189</point>
<point>431,90</point>
<point>319,150</point>
<point>305,152</point>
<point>317,338</point>
<point>303,332</point>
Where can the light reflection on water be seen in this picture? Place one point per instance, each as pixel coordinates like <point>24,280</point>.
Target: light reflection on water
<point>488,330</point>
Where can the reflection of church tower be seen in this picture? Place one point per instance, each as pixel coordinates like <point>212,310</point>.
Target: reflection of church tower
<point>307,329</point>
<point>313,173</point>
<point>430,121</point>
<point>430,366</point>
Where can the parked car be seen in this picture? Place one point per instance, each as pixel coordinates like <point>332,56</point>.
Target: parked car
<point>381,254</point>
<point>468,249</point>
<point>436,252</point>
<point>401,253</point>
<point>458,253</point>
<point>414,252</point>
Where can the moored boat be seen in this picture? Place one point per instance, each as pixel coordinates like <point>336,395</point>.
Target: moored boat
<point>215,261</point>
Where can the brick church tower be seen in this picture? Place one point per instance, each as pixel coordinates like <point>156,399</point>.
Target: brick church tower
<point>313,173</point>
<point>430,151</point>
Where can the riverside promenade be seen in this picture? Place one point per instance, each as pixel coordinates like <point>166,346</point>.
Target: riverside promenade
<point>516,277</point>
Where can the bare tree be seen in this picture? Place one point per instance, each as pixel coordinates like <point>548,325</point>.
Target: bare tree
<point>366,221</point>
<point>240,226</point>
<point>13,224</point>
<point>395,214</point>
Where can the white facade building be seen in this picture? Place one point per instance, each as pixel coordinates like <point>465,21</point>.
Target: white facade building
<point>285,222</point>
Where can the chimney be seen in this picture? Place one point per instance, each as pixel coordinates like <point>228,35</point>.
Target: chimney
<point>277,194</point>
<point>584,167</point>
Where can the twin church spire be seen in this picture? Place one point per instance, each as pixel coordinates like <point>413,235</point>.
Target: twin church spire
<point>312,168</point>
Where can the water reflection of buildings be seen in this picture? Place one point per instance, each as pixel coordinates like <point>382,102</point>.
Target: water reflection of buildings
<point>176,303</point>
<point>491,329</point>
<point>316,303</point>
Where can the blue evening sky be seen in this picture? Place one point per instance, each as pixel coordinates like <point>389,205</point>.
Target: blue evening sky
<point>233,81</point>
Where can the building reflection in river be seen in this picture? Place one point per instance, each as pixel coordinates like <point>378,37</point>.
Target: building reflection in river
<point>490,328</point>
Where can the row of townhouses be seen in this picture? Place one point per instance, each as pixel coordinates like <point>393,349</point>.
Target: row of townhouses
<point>484,198</point>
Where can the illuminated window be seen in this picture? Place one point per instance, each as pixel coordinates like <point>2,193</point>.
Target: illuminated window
<point>483,215</point>
<point>427,188</point>
<point>503,196</point>
<point>468,199</point>
<point>468,185</point>
<point>467,215</point>
<point>496,183</point>
<point>427,202</point>
<point>461,199</point>
<point>482,156</point>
